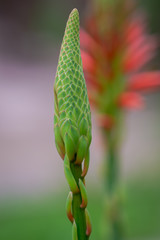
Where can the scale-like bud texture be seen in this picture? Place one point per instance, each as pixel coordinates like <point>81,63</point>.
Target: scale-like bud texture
<point>72,120</point>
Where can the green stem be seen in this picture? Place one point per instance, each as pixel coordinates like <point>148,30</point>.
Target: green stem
<point>78,213</point>
<point>112,168</point>
<point>112,189</point>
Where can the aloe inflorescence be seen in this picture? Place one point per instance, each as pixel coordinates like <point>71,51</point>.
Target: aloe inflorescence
<point>72,126</point>
<point>116,50</point>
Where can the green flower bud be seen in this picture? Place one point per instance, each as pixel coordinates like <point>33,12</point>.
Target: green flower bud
<point>72,110</point>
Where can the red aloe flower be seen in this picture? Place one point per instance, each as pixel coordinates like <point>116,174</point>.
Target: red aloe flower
<point>115,47</point>
<point>131,100</point>
<point>144,81</point>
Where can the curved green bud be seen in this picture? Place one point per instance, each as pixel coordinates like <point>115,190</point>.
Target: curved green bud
<point>83,194</point>
<point>86,165</point>
<point>75,135</point>
<point>64,126</point>
<point>59,151</point>
<point>82,149</point>
<point>59,140</point>
<point>83,126</point>
<point>88,223</point>
<point>74,232</point>
<point>70,147</point>
<point>89,136</point>
<point>69,176</point>
<point>69,207</point>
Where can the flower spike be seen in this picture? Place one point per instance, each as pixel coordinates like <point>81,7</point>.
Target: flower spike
<point>115,56</point>
<point>72,124</point>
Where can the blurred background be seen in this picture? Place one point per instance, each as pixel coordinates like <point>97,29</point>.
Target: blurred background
<point>33,189</point>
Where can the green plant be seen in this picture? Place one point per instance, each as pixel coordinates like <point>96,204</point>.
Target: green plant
<point>72,126</point>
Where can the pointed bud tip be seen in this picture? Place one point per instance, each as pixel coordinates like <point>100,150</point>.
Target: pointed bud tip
<point>71,30</point>
<point>74,15</point>
<point>74,12</point>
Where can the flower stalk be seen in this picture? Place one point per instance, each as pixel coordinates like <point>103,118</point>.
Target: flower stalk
<point>72,127</point>
<point>113,206</point>
<point>78,211</point>
<point>111,174</point>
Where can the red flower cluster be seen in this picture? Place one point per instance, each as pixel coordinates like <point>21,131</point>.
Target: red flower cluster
<point>115,49</point>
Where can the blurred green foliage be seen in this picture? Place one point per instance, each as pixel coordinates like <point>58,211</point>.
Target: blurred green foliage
<point>45,219</point>
<point>152,8</point>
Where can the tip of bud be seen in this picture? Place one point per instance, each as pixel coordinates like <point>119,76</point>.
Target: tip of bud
<point>74,11</point>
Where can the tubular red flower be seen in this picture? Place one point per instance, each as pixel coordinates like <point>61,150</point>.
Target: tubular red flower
<point>89,63</point>
<point>92,82</point>
<point>134,30</point>
<point>144,81</point>
<point>87,42</point>
<point>131,100</point>
<point>138,55</point>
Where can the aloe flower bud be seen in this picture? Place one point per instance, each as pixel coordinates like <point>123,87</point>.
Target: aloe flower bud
<point>72,124</point>
<point>72,120</point>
